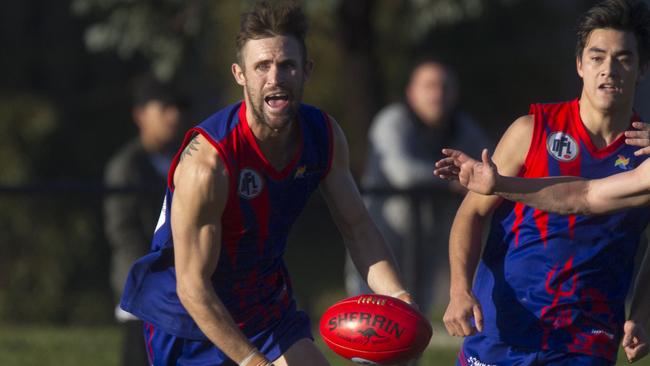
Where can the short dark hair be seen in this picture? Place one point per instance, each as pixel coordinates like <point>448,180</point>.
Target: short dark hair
<point>625,15</point>
<point>147,89</point>
<point>269,19</point>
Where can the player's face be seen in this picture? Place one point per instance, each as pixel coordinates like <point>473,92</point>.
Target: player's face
<point>609,68</point>
<point>273,75</point>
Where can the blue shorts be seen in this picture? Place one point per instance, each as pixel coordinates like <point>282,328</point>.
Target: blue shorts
<point>481,350</point>
<point>165,349</point>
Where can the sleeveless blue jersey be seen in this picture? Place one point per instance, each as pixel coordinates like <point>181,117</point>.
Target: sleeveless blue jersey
<point>251,278</point>
<point>555,282</point>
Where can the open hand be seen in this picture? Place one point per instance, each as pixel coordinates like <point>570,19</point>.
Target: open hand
<point>639,137</point>
<point>477,176</point>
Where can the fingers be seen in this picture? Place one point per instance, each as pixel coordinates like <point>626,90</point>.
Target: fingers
<point>627,339</point>
<point>446,169</point>
<point>637,141</point>
<point>639,137</point>
<point>447,173</point>
<point>635,351</point>
<point>485,158</point>
<point>458,322</point>
<point>452,152</point>
<point>643,151</point>
<point>641,125</point>
<point>478,317</point>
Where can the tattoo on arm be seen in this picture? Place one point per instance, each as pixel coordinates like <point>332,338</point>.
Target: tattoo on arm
<point>191,146</point>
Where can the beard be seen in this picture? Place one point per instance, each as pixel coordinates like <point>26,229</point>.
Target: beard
<point>274,122</point>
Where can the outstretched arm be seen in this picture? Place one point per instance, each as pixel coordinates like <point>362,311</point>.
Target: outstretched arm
<point>368,250</point>
<point>563,195</point>
<point>200,195</point>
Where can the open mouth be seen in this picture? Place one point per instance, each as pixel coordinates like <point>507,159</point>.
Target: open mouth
<point>277,100</point>
<point>609,88</point>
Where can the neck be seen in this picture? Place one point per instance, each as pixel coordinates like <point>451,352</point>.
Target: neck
<point>604,126</point>
<point>264,134</point>
<point>278,146</point>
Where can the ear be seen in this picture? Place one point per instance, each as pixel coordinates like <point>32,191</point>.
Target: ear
<point>579,66</point>
<point>238,73</point>
<point>309,68</point>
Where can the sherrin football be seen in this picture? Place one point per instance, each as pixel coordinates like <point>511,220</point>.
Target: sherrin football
<point>375,330</point>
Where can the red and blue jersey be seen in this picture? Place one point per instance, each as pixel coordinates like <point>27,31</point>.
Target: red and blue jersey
<point>251,278</point>
<point>556,282</point>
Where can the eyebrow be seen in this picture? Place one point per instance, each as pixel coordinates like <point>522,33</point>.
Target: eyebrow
<point>619,53</point>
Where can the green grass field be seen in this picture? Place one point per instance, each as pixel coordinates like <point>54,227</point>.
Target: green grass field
<point>99,346</point>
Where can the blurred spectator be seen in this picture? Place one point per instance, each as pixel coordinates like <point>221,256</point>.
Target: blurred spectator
<point>130,218</point>
<point>405,141</point>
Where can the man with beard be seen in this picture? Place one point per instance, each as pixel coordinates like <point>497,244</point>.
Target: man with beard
<point>214,290</point>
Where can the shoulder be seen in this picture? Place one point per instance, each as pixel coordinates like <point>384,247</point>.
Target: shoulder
<point>521,127</point>
<point>338,136</point>
<point>200,161</point>
<point>221,123</point>
<point>511,151</point>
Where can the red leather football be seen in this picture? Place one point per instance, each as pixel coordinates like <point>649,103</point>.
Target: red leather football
<point>375,329</point>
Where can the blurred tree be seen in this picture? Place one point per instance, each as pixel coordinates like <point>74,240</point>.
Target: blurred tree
<point>50,257</point>
<point>160,30</point>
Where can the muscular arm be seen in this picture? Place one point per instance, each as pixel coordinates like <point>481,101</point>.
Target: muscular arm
<point>200,194</point>
<point>367,248</point>
<point>573,195</point>
<point>465,236</point>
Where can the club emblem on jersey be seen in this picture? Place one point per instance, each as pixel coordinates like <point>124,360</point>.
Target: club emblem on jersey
<point>622,162</point>
<point>250,183</point>
<point>300,172</point>
<point>562,146</point>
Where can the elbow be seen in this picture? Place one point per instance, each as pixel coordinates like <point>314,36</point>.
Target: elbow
<point>189,291</point>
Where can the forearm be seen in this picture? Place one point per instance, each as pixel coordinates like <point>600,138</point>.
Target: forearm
<point>209,313</point>
<point>464,251</point>
<point>562,195</point>
<point>373,259</point>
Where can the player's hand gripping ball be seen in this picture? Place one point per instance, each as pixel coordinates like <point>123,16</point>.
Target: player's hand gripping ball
<point>375,330</point>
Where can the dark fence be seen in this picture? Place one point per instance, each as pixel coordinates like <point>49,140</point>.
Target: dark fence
<point>54,257</point>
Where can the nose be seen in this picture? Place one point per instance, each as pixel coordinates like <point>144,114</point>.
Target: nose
<point>610,67</point>
<point>275,76</point>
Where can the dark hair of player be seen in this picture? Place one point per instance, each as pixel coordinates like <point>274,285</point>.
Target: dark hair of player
<point>624,15</point>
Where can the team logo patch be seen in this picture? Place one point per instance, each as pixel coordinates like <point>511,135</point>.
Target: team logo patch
<point>622,162</point>
<point>300,172</point>
<point>250,183</point>
<point>562,146</point>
